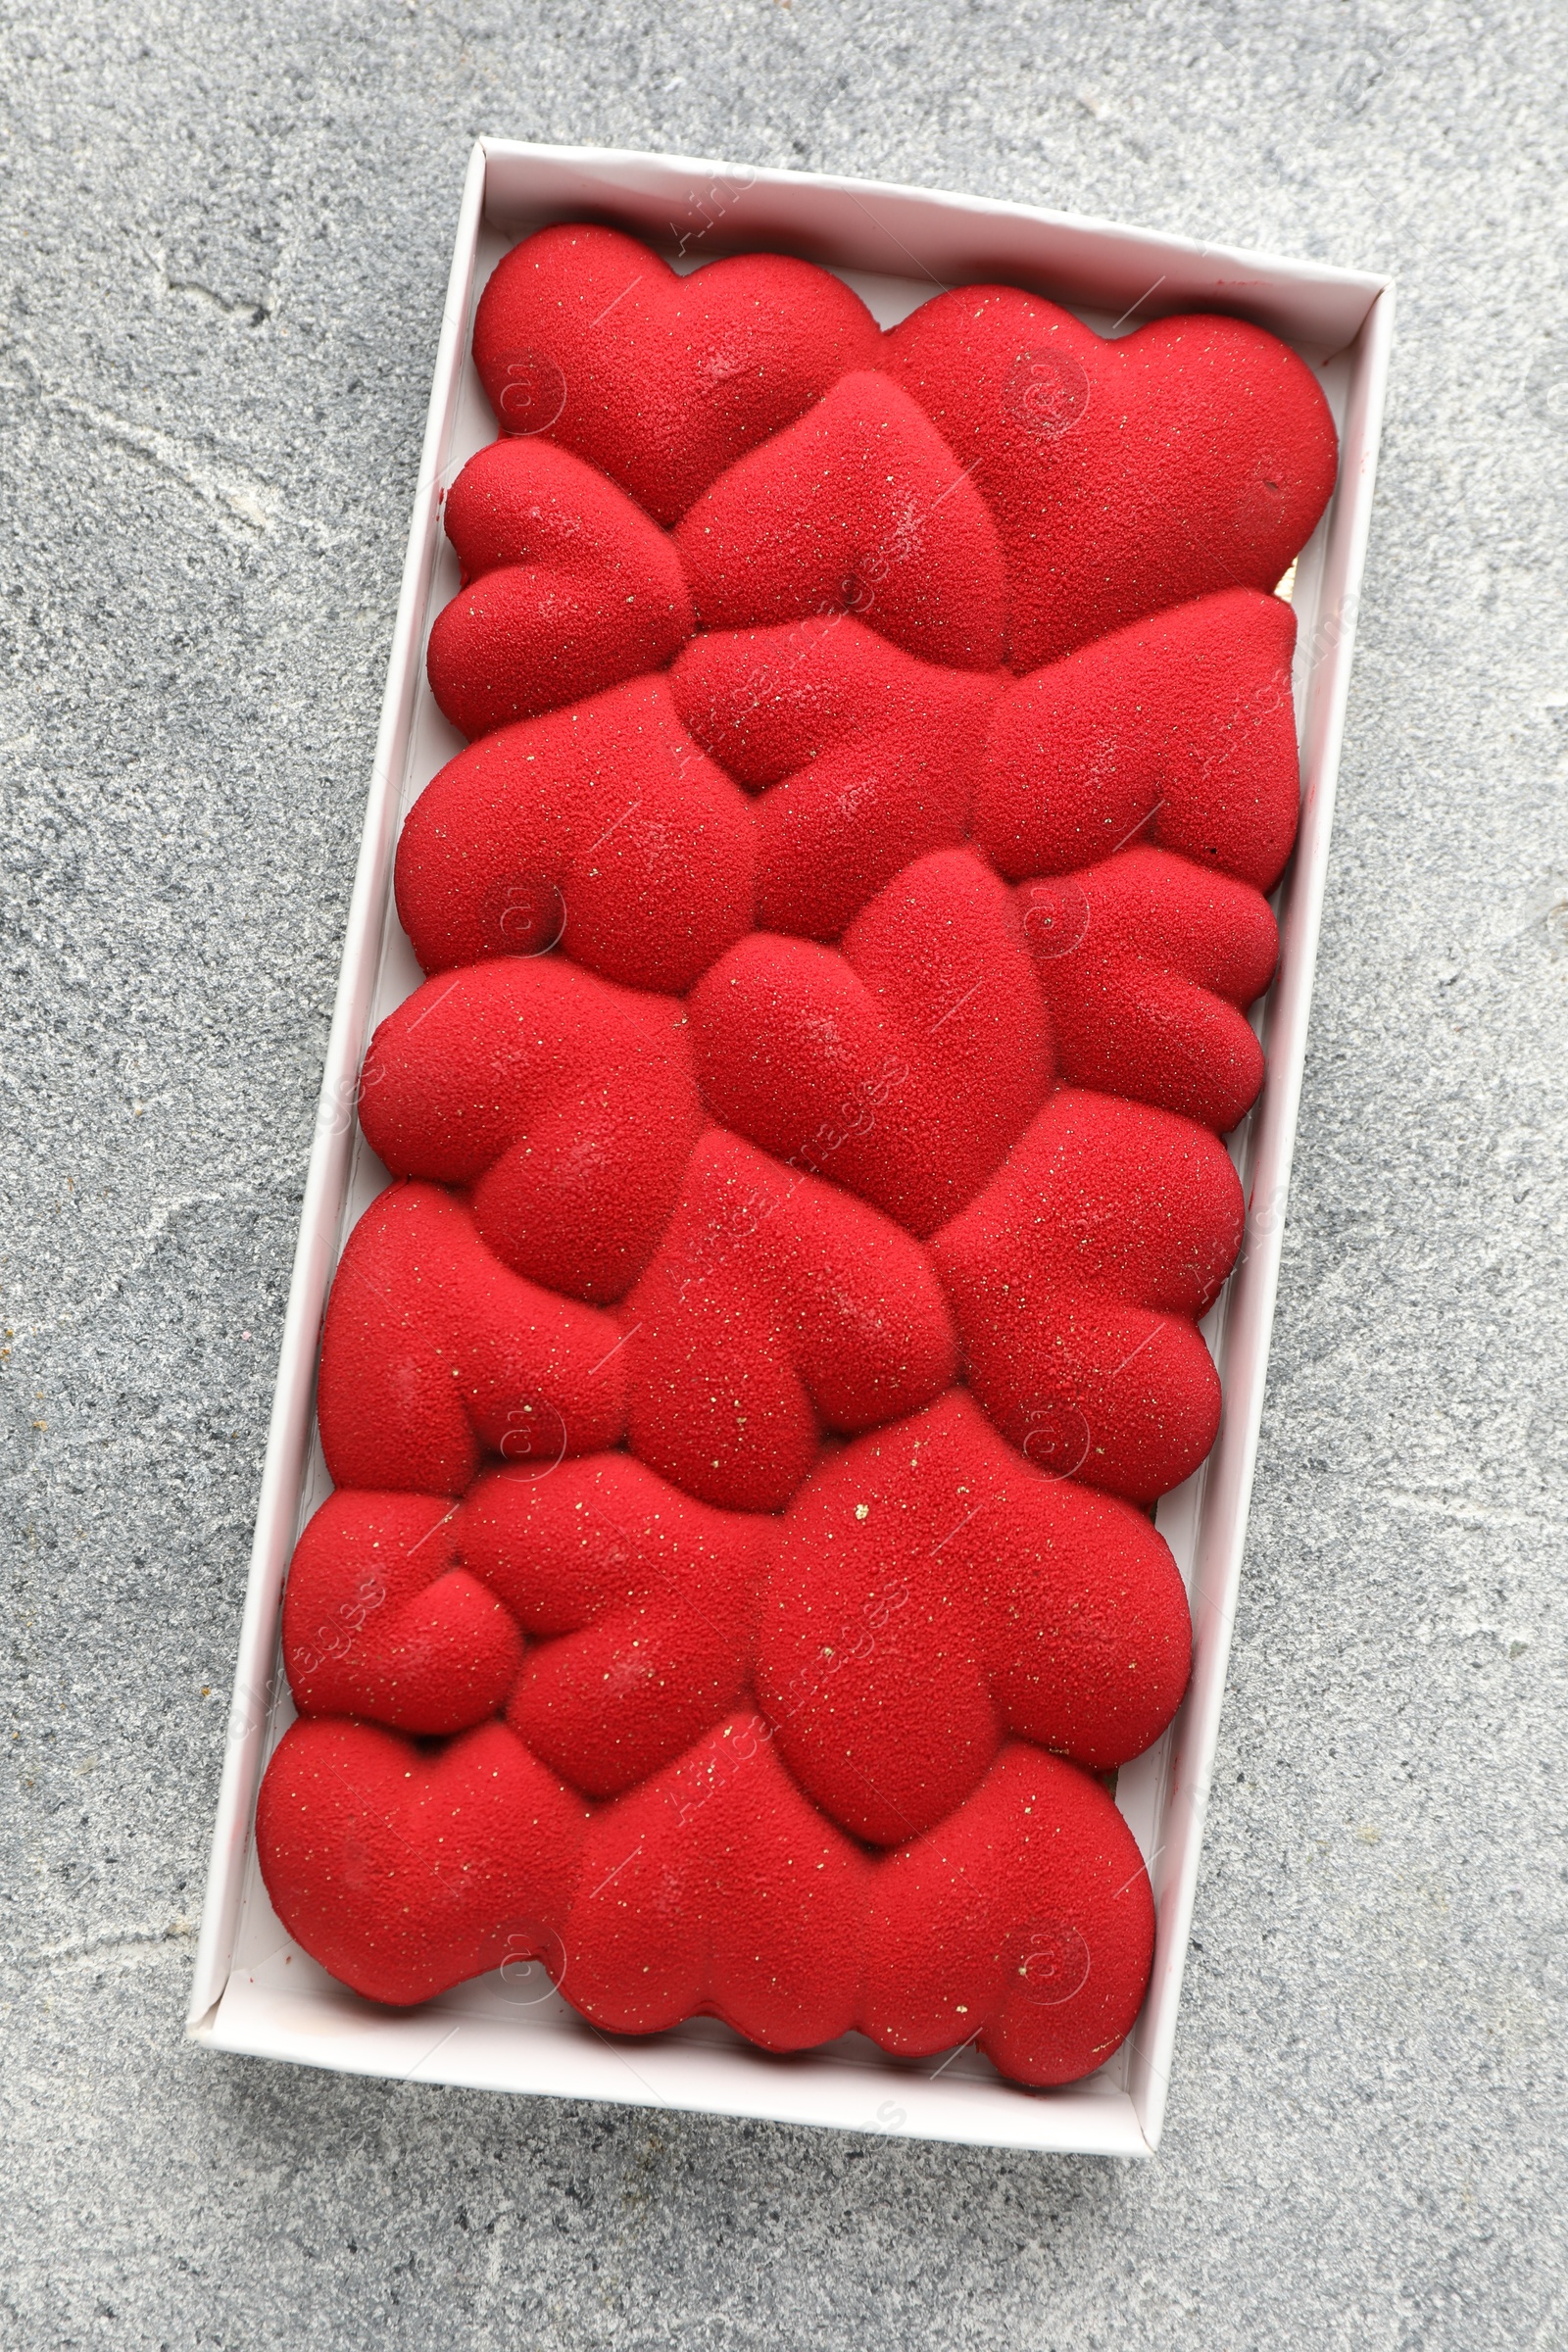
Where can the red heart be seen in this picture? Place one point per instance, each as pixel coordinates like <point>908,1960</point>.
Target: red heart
<point>433,1349</point>
<point>931,1594</point>
<point>1178,732</point>
<point>776,1309</point>
<point>602,828</point>
<point>1147,964</point>
<point>404,1873</point>
<point>1078,1277</point>
<point>717,1886</point>
<point>1194,455</point>
<point>904,1065</point>
<point>1025,1919</point>
<point>570,1107</point>
<point>639,1604</point>
<point>662,381</point>
<point>380,1620</point>
<point>858,507</point>
<point>566,588</point>
<point>872,757</point>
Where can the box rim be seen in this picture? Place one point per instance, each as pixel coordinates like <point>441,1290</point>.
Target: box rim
<point>1248,262</point>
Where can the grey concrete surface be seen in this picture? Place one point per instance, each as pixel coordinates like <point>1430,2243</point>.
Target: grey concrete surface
<point>226,230</point>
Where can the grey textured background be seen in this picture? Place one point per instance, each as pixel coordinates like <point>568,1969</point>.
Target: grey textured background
<point>225,235</point>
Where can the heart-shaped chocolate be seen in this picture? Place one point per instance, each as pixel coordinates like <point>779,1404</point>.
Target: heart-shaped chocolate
<point>381,1620</point>
<point>569,1105</point>
<point>715,1886</point>
<point>1193,455</point>
<point>403,1872</point>
<point>1178,733</point>
<point>866,758</point>
<point>904,1065</point>
<point>434,1354</point>
<point>859,508</point>
<point>638,1604</point>
<point>603,830</point>
<point>1024,1919</point>
<point>566,588</point>
<point>931,1594</point>
<point>779,1308</point>
<point>662,381</point>
<point>1078,1277</point>
<point>1147,964</point>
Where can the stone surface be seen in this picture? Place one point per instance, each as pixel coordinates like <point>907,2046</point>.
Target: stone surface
<point>225,232</point>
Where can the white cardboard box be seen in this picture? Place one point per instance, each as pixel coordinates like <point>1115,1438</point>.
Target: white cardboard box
<point>255,1990</point>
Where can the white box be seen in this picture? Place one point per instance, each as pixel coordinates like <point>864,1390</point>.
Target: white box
<point>255,1990</point>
